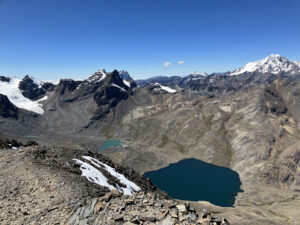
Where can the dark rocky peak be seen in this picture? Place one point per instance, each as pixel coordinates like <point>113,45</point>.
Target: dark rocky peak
<point>68,85</point>
<point>115,80</point>
<point>125,75</point>
<point>109,94</point>
<point>7,109</point>
<point>112,91</point>
<point>127,79</point>
<point>4,79</point>
<point>34,89</point>
<point>99,80</point>
<point>48,86</point>
<point>96,78</point>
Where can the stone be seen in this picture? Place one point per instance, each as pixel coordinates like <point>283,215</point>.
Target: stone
<point>191,217</point>
<point>115,193</point>
<point>204,213</point>
<point>160,216</point>
<point>206,218</point>
<point>98,206</point>
<point>140,196</point>
<point>117,217</point>
<point>174,213</point>
<point>225,222</point>
<point>158,205</point>
<point>166,221</point>
<point>107,196</point>
<point>181,209</point>
<point>147,216</point>
<point>129,201</point>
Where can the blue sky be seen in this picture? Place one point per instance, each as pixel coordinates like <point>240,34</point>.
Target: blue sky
<point>52,39</point>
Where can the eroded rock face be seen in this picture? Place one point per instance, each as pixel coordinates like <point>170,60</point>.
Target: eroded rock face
<point>7,109</point>
<point>33,90</point>
<point>127,78</point>
<point>67,85</point>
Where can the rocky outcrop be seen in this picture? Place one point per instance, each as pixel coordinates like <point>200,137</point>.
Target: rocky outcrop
<point>140,208</point>
<point>7,109</point>
<point>67,85</point>
<point>127,78</point>
<point>4,79</point>
<point>32,89</point>
<point>272,102</point>
<point>14,144</point>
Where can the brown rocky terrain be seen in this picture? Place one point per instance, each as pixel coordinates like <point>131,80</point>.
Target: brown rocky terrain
<point>41,185</point>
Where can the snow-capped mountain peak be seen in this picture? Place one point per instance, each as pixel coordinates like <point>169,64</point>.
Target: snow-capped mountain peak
<point>196,73</point>
<point>273,64</point>
<point>98,76</point>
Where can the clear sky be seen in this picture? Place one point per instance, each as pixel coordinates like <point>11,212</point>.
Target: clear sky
<point>52,39</point>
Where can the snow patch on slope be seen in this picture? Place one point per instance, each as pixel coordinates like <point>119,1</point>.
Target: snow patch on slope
<point>126,83</point>
<point>118,87</point>
<point>94,175</point>
<point>167,89</point>
<point>130,186</point>
<point>14,94</point>
<point>274,64</point>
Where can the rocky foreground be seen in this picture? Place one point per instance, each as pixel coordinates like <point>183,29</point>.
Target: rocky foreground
<point>140,208</point>
<point>43,185</point>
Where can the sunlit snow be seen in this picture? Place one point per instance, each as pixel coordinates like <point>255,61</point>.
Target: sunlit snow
<point>118,87</point>
<point>274,64</point>
<point>126,83</point>
<point>167,89</point>
<point>94,175</point>
<point>14,94</point>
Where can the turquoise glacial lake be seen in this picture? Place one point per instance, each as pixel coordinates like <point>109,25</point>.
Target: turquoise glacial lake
<point>110,144</point>
<point>195,180</point>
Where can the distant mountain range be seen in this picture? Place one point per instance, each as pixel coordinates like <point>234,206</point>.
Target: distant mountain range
<point>29,93</point>
<point>272,67</point>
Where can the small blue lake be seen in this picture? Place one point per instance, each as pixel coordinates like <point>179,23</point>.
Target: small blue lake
<point>195,180</point>
<point>109,144</point>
